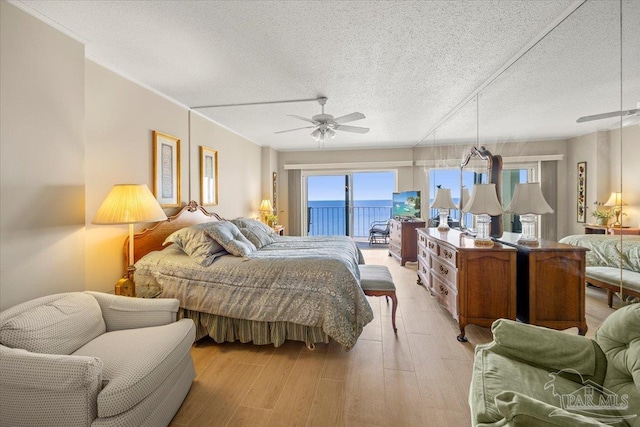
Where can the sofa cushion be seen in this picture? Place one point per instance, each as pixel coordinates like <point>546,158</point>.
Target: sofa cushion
<point>494,373</point>
<point>136,361</point>
<point>619,338</point>
<point>57,327</point>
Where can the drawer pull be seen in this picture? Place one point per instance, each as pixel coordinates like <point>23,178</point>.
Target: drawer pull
<point>422,238</point>
<point>444,270</point>
<point>443,290</point>
<point>448,254</point>
<point>424,254</point>
<point>431,245</point>
<point>424,270</point>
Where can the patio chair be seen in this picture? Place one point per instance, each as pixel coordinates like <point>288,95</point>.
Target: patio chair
<point>379,230</point>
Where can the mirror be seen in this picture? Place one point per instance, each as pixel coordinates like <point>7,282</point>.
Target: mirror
<point>590,58</point>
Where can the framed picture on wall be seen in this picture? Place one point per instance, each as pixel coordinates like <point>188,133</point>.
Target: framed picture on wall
<point>275,191</point>
<point>208,176</point>
<point>582,192</point>
<point>166,169</point>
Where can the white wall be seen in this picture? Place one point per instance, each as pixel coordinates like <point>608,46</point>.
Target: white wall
<point>70,130</point>
<point>42,159</point>
<point>625,168</point>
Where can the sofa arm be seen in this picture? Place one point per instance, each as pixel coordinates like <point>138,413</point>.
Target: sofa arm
<point>521,410</point>
<point>55,389</point>
<point>549,349</point>
<point>122,312</point>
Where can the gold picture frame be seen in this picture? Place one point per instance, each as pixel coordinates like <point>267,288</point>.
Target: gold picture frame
<point>208,176</point>
<point>166,169</point>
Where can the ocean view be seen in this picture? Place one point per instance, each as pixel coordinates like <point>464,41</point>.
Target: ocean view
<point>327,217</point>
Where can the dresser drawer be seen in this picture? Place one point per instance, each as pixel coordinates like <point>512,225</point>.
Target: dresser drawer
<point>446,296</point>
<point>447,254</point>
<point>432,246</point>
<point>445,272</point>
<point>424,272</point>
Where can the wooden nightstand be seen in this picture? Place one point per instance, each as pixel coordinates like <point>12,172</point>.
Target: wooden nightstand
<point>278,229</point>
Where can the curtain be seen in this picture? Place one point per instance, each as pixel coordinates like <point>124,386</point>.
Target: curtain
<point>295,202</point>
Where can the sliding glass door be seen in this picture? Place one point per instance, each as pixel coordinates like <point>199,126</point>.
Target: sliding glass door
<point>347,204</point>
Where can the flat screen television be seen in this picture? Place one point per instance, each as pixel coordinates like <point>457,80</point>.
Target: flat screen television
<point>406,204</point>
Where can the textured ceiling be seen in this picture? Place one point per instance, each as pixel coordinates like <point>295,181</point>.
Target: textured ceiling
<point>406,65</point>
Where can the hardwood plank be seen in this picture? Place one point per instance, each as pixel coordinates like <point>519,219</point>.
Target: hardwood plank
<point>226,394</point>
<point>294,404</point>
<point>403,402</point>
<point>327,409</point>
<point>269,385</point>
<point>365,400</point>
<point>249,417</point>
<point>337,363</point>
<point>395,346</point>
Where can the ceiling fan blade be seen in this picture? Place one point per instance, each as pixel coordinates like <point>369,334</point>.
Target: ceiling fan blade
<point>291,130</point>
<point>349,118</point>
<point>608,115</point>
<point>356,129</point>
<point>303,118</point>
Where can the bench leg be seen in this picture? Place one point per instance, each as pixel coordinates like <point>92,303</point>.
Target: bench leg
<point>610,298</point>
<point>394,300</point>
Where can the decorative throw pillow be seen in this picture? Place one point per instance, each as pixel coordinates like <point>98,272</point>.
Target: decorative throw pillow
<point>257,236</point>
<point>248,222</point>
<point>230,237</point>
<point>59,327</point>
<point>197,243</point>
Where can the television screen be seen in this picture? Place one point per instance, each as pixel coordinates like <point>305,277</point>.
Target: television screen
<point>406,204</point>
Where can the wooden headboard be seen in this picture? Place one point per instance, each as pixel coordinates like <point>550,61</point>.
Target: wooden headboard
<point>151,239</point>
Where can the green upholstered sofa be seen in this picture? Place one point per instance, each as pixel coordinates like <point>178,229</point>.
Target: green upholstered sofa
<point>533,376</point>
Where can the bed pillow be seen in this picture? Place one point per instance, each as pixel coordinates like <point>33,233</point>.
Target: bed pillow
<point>197,243</point>
<point>248,222</point>
<point>257,236</point>
<point>229,236</point>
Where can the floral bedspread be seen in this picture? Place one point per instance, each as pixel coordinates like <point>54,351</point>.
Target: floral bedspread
<point>609,251</point>
<point>312,281</point>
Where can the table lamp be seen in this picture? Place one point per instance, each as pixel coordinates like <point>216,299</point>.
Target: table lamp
<point>616,202</point>
<point>265,209</point>
<point>129,204</point>
<point>528,202</point>
<point>484,204</point>
<point>443,203</point>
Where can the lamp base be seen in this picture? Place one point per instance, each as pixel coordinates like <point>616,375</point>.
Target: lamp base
<point>444,219</point>
<point>126,287</point>
<point>482,243</point>
<point>529,243</point>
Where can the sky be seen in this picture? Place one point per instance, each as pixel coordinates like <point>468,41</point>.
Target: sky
<point>366,186</point>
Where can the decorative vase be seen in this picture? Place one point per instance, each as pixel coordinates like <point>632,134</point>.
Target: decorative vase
<point>602,221</point>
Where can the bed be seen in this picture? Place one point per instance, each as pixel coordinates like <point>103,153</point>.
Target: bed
<point>292,288</point>
<point>612,260</point>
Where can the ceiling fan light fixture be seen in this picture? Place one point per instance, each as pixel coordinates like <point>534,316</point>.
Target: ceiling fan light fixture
<point>331,133</point>
<point>316,134</point>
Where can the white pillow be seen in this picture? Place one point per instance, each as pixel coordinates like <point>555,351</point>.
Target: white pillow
<point>248,222</point>
<point>230,237</point>
<point>197,243</point>
<point>257,236</point>
<point>58,327</point>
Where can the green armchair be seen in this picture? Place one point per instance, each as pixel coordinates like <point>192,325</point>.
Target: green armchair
<point>532,376</point>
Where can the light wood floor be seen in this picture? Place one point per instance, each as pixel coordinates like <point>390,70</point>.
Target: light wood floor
<point>419,377</point>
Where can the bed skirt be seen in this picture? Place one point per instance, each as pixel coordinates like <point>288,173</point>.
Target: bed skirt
<point>226,329</point>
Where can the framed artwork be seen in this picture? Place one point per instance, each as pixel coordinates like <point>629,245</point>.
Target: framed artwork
<point>166,169</point>
<point>582,192</point>
<point>208,176</point>
<point>275,192</point>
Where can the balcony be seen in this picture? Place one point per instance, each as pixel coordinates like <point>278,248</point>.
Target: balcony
<point>330,221</point>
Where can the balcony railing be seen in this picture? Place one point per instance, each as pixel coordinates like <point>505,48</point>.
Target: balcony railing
<point>330,221</point>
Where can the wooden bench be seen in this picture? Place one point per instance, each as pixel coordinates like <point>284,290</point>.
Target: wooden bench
<point>609,278</point>
<point>376,281</point>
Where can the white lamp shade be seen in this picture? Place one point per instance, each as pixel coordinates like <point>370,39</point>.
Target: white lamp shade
<point>484,200</point>
<point>443,200</point>
<point>615,200</point>
<point>266,206</point>
<point>528,199</point>
<point>129,204</point>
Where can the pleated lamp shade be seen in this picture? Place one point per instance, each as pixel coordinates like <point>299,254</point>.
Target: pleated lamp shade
<point>528,199</point>
<point>484,200</point>
<point>443,200</point>
<point>129,204</point>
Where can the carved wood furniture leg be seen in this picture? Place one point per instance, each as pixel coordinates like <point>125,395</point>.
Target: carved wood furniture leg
<point>462,337</point>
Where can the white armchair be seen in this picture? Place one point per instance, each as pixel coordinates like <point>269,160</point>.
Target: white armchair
<point>87,358</point>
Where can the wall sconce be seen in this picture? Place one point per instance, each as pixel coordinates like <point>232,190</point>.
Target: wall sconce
<point>484,204</point>
<point>528,202</point>
<point>129,204</point>
<point>615,201</point>
<point>443,203</point>
<point>265,209</point>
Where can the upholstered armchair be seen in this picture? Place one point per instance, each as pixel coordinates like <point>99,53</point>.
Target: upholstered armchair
<point>88,358</point>
<point>533,376</point>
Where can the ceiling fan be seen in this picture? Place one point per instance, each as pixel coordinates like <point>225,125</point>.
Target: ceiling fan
<point>629,116</point>
<point>325,124</point>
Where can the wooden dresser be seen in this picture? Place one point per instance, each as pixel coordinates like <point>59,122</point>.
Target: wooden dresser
<point>402,240</point>
<point>551,284</point>
<point>476,285</point>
